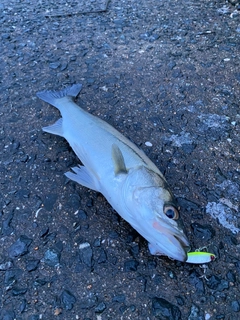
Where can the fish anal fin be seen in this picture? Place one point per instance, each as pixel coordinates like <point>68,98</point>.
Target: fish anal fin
<point>55,128</point>
<point>82,176</point>
<point>118,160</point>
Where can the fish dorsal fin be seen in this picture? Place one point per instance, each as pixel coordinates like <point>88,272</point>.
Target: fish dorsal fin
<point>118,160</point>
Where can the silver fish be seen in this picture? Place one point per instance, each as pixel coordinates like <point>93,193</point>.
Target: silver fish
<point>114,166</point>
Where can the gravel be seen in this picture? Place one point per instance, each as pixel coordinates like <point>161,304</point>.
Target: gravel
<point>165,74</point>
<point>20,247</point>
<point>162,309</point>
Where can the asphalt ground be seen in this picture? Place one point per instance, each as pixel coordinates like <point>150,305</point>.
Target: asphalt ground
<point>165,74</point>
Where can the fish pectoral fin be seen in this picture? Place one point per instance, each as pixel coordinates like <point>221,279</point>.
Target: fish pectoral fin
<point>82,176</point>
<point>118,160</point>
<point>55,128</point>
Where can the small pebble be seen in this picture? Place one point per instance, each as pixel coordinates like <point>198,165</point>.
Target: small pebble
<point>102,257</point>
<point>82,215</point>
<point>132,308</point>
<point>5,266</point>
<point>163,309</point>
<point>89,302</point>
<point>204,232</point>
<point>100,307</point>
<point>23,305</point>
<point>197,282</point>
<point>207,316</point>
<point>39,282</point>
<point>97,242</point>
<point>32,264</point>
<point>86,253</point>
<point>67,300</point>
<point>194,314</point>
<point>180,300</point>
<point>17,291</point>
<point>215,283</point>
<point>148,144</point>
<point>130,265</point>
<point>54,65</point>
<point>52,257</point>
<point>20,247</point>
<point>231,276</point>
<point>235,306</point>
<point>89,203</point>
<point>119,298</point>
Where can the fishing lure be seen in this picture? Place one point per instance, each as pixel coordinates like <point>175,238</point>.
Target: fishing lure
<point>198,257</point>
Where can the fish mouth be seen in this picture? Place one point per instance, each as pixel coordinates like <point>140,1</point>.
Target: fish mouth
<point>170,240</point>
<point>185,248</point>
<point>178,247</point>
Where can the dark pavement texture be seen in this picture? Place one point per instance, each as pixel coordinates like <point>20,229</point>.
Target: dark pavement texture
<point>164,73</point>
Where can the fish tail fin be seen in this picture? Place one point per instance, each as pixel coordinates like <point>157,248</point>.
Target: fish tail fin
<point>52,97</point>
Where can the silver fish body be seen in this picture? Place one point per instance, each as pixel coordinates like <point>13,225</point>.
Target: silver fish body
<point>114,166</point>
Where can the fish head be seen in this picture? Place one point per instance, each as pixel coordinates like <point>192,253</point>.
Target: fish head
<point>157,219</point>
<point>168,237</point>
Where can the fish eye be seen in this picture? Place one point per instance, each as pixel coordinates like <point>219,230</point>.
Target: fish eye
<point>171,212</point>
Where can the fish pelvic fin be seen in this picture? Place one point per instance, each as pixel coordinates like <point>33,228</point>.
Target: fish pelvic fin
<point>118,160</point>
<point>51,97</point>
<point>55,128</point>
<point>84,177</point>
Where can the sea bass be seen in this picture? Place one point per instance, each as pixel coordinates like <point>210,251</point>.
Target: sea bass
<point>117,168</point>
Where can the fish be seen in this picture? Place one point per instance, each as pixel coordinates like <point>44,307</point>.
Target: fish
<point>114,166</point>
